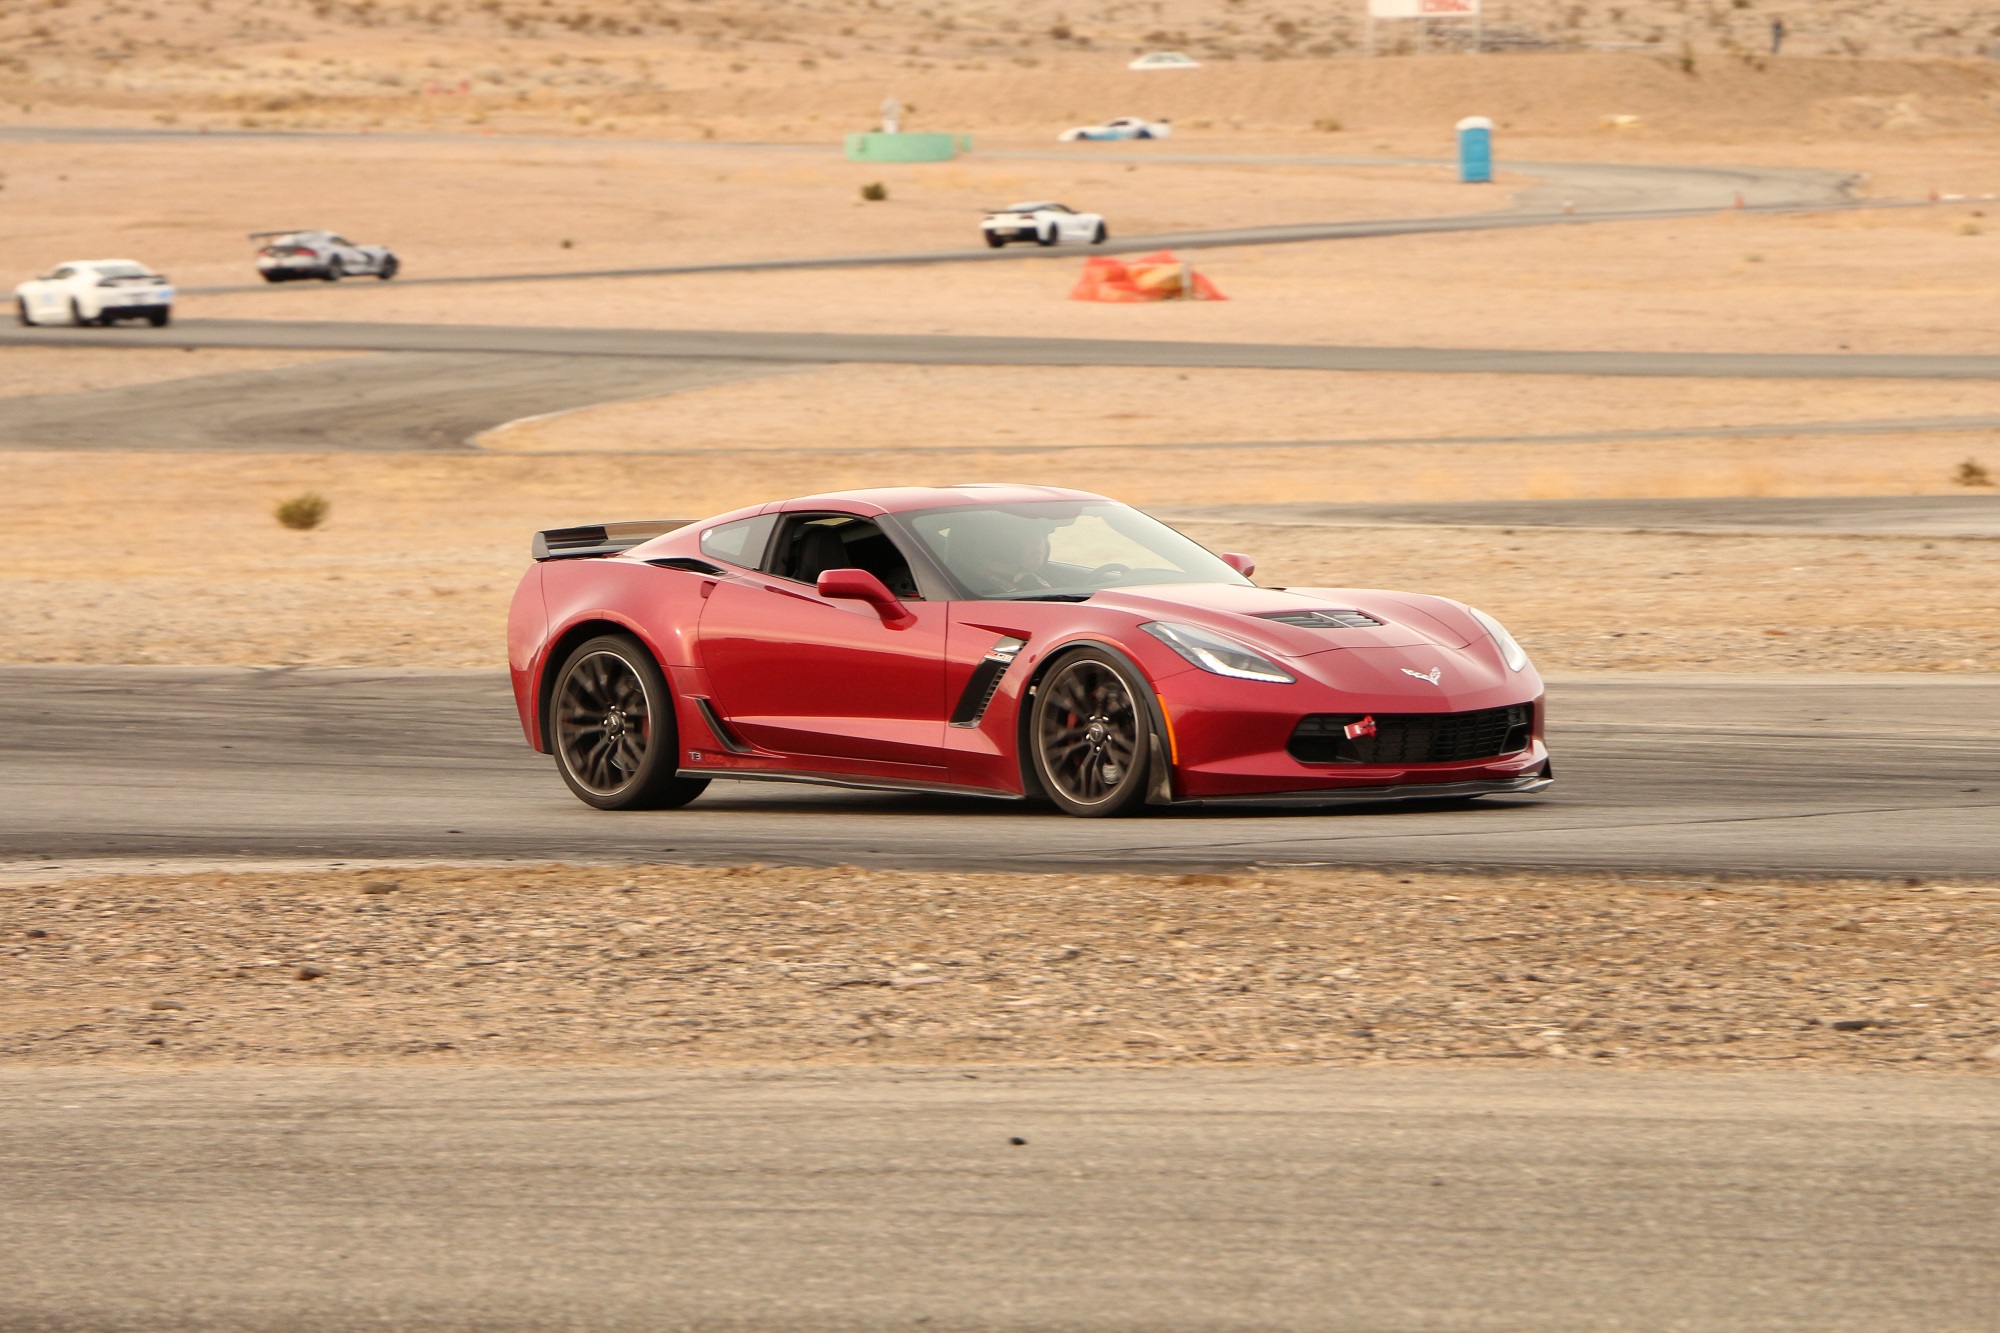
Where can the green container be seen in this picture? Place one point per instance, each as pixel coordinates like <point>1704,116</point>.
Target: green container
<point>907,147</point>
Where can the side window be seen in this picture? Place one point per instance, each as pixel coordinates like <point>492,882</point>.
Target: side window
<point>739,543</point>
<point>61,273</point>
<point>811,544</point>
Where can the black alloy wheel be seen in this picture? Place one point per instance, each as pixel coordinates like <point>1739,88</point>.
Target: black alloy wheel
<point>388,269</point>
<point>1051,238</point>
<point>335,270</point>
<point>994,242</point>
<point>160,316</point>
<point>1103,235</point>
<point>21,312</point>
<point>1091,735</point>
<point>611,725</point>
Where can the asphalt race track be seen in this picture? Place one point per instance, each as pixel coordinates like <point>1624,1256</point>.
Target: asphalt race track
<point>248,1200</point>
<point>1878,775</point>
<point>943,349</point>
<point>1773,515</point>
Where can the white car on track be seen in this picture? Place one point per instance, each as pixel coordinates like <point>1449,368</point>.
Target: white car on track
<point>95,291</point>
<point>320,254</point>
<point>1164,60</point>
<point>1120,127</point>
<point>1045,223</point>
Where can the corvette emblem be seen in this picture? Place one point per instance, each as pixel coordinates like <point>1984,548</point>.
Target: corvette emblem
<point>1431,675</point>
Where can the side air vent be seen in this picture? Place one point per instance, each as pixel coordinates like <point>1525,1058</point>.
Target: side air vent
<point>1325,619</point>
<point>984,682</point>
<point>600,538</point>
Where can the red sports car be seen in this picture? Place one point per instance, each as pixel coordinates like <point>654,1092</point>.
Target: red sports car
<point>1012,641</point>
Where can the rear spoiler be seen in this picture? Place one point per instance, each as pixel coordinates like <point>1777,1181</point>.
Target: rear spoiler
<point>601,538</point>
<point>260,235</point>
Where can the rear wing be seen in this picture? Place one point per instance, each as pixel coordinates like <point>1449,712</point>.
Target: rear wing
<point>289,231</point>
<point>601,538</point>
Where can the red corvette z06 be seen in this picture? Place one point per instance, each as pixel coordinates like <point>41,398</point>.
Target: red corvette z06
<point>1012,641</point>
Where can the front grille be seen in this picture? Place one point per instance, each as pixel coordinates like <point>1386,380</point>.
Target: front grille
<point>1413,738</point>
<point>1325,619</point>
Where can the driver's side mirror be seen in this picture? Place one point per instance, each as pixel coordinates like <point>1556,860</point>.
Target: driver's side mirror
<point>1242,564</point>
<point>858,585</point>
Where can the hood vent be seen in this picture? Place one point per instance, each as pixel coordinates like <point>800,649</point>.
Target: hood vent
<point>1325,619</point>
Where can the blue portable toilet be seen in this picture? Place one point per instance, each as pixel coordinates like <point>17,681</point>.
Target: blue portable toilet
<point>1475,150</point>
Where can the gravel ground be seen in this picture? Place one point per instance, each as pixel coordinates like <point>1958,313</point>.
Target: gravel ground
<point>689,966</point>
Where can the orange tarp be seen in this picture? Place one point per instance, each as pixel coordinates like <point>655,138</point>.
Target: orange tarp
<point>1155,277</point>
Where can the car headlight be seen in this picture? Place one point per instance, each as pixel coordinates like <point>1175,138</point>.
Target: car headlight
<point>1212,652</point>
<point>1515,656</point>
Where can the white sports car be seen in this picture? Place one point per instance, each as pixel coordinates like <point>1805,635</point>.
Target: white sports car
<point>95,291</point>
<point>320,254</point>
<point>1120,127</point>
<point>1165,60</point>
<point>1044,224</point>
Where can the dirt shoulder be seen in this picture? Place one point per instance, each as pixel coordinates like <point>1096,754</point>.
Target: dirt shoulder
<point>692,966</point>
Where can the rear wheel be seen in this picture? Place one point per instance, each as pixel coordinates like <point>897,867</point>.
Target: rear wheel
<point>161,317</point>
<point>1102,235</point>
<point>1091,735</point>
<point>1048,237</point>
<point>611,725</point>
<point>335,270</point>
<point>995,241</point>
<point>76,315</point>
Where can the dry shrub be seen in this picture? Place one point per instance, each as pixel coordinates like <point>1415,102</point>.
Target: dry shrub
<point>1972,473</point>
<point>303,512</point>
<point>874,192</point>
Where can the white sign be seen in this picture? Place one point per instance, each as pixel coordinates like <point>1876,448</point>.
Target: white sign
<point>1422,9</point>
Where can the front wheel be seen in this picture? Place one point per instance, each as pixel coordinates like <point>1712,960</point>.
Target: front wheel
<point>1102,235</point>
<point>1091,735</point>
<point>611,725</point>
<point>1049,237</point>
<point>76,315</point>
<point>21,312</point>
<point>335,270</point>
<point>388,269</point>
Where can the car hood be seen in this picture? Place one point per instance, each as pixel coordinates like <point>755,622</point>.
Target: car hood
<point>1407,620</point>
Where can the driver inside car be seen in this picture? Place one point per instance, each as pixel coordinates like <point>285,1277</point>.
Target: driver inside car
<point>1000,554</point>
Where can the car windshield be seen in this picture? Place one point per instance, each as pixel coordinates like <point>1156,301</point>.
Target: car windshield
<point>1061,548</point>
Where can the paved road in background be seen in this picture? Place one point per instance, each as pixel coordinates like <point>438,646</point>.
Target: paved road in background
<point>1762,774</point>
<point>942,349</point>
<point>887,1201</point>
<point>1560,194</point>
<point>1853,515</point>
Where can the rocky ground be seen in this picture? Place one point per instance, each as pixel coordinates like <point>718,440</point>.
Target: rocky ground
<point>683,965</point>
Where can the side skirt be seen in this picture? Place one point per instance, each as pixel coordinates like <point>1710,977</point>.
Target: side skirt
<point>856,784</point>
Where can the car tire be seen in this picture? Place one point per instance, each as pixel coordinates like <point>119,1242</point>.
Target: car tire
<point>274,277</point>
<point>76,315</point>
<point>995,242</point>
<point>21,314</point>
<point>388,269</point>
<point>161,317</point>
<point>1048,238</point>
<point>1103,235</point>
<point>1090,735</point>
<point>611,726</point>
<point>335,270</point>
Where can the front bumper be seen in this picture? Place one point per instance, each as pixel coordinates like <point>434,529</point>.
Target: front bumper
<point>1408,791</point>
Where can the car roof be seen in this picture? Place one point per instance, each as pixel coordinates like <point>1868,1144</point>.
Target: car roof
<point>97,263</point>
<point>905,499</point>
<point>1031,207</point>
